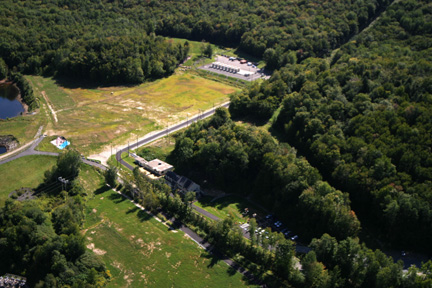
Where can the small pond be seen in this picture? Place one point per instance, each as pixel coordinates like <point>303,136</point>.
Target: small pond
<point>2,150</point>
<point>9,104</point>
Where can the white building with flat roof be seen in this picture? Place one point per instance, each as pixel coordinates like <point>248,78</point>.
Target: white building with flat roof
<point>158,167</point>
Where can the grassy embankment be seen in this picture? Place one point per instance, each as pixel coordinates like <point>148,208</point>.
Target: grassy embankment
<point>25,127</point>
<point>23,172</point>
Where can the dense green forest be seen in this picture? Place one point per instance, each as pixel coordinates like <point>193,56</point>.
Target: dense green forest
<point>248,160</point>
<point>363,118</point>
<point>268,28</point>
<point>41,240</point>
<point>115,42</point>
<point>365,122</point>
<point>245,159</point>
<point>83,39</point>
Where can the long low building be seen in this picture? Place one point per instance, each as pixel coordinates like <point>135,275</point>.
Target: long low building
<point>158,167</point>
<point>155,166</point>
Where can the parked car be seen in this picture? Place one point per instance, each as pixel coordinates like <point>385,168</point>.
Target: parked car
<point>269,216</point>
<point>295,237</point>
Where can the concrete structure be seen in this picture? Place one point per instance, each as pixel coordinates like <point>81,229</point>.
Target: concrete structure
<point>158,167</point>
<point>155,166</point>
<point>182,183</point>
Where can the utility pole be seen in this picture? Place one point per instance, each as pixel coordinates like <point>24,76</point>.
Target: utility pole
<point>116,157</point>
<point>63,181</point>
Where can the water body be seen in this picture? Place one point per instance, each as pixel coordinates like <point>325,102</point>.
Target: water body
<point>9,104</point>
<point>2,149</point>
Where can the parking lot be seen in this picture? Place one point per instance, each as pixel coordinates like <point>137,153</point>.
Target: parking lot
<point>234,68</point>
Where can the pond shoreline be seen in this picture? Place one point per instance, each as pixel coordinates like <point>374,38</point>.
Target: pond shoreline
<point>19,98</point>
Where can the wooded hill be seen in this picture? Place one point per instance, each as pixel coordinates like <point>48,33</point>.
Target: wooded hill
<point>82,39</point>
<point>363,118</point>
<point>114,42</point>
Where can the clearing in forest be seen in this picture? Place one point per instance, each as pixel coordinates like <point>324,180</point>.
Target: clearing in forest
<point>94,118</point>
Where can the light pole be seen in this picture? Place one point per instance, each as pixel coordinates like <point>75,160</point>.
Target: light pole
<point>116,157</point>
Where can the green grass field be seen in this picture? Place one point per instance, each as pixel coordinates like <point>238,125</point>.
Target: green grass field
<point>58,98</point>
<point>230,205</point>
<point>93,118</point>
<point>141,252</point>
<point>32,167</point>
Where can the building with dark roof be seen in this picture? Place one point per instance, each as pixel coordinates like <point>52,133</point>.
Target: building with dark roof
<point>182,183</point>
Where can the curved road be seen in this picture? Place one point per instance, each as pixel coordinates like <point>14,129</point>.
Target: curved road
<point>159,134</point>
<point>31,151</point>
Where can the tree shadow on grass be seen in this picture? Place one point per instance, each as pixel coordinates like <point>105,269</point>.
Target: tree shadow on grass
<point>101,190</point>
<point>117,198</point>
<point>74,83</point>
<point>214,258</point>
<point>143,216</point>
<point>132,210</point>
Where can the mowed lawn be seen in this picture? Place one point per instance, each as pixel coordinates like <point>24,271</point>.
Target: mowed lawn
<point>94,118</point>
<point>230,205</point>
<point>141,252</point>
<point>23,172</point>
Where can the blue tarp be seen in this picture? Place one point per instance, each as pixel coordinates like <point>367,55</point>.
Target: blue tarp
<point>65,143</point>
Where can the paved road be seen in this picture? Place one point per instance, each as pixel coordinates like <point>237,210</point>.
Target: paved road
<point>159,134</point>
<point>30,151</point>
<point>205,213</point>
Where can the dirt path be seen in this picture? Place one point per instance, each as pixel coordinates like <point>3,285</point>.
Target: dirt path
<point>49,106</point>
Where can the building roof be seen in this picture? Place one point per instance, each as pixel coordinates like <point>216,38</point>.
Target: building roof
<point>159,165</point>
<point>173,176</point>
<point>140,159</point>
